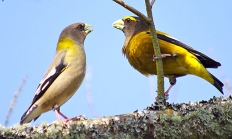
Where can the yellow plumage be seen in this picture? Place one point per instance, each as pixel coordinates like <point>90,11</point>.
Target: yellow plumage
<point>183,59</point>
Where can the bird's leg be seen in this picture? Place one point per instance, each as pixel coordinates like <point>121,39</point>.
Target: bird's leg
<point>172,81</point>
<point>174,55</point>
<point>169,88</point>
<point>65,117</point>
<point>57,115</point>
<point>56,109</point>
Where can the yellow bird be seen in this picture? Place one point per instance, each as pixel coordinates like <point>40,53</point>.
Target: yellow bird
<point>179,59</point>
<point>64,76</point>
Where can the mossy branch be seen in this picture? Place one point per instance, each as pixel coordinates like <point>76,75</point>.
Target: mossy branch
<point>205,119</point>
<point>159,63</point>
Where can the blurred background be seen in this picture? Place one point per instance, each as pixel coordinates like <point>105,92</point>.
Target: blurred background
<point>29,31</point>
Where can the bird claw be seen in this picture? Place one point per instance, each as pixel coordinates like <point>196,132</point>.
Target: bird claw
<point>166,95</point>
<point>68,120</point>
<point>174,55</point>
<point>78,118</point>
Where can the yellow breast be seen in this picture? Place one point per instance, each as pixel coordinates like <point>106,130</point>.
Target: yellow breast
<point>140,54</point>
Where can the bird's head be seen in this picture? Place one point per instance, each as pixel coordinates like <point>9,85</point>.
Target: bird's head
<point>77,31</point>
<point>130,25</point>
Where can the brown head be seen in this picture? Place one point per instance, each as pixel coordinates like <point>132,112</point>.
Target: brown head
<point>130,25</point>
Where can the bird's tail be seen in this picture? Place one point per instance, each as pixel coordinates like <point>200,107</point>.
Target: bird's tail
<point>217,83</point>
<point>30,114</point>
<point>199,70</point>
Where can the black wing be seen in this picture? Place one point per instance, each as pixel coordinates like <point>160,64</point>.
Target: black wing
<point>206,61</point>
<point>46,82</point>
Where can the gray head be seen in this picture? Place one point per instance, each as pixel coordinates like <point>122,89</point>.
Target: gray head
<point>77,31</point>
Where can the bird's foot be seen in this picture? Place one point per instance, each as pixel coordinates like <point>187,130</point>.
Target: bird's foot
<point>67,121</point>
<point>174,55</point>
<point>166,95</point>
<point>166,92</point>
<point>78,118</point>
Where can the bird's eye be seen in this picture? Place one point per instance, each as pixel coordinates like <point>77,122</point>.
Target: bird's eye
<point>80,27</point>
<point>128,20</point>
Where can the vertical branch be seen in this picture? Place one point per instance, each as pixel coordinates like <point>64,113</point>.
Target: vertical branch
<point>14,100</point>
<point>150,22</point>
<point>159,63</point>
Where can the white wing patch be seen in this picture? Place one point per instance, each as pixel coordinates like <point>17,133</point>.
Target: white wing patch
<point>41,84</point>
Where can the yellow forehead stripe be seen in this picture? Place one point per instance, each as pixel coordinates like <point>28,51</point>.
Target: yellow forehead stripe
<point>130,17</point>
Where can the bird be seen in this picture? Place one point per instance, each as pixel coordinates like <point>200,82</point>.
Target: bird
<point>179,59</point>
<point>64,75</point>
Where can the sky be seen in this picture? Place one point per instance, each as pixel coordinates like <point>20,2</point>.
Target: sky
<point>29,31</point>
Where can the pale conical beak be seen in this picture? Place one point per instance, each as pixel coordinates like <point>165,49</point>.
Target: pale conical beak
<point>119,24</point>
<point>88,28</point>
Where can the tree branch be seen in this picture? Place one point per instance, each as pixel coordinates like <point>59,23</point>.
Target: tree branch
<point>159,63</point>
<point>205,119</point>
<point>133,10</point>
<point>14,101</point>
<point>152,2</point>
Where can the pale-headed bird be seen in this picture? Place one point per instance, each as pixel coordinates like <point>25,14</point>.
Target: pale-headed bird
<point>64,75</point>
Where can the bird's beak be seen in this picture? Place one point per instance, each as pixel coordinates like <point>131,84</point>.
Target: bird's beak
<point>119,24</point>
<point>88,28</point>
